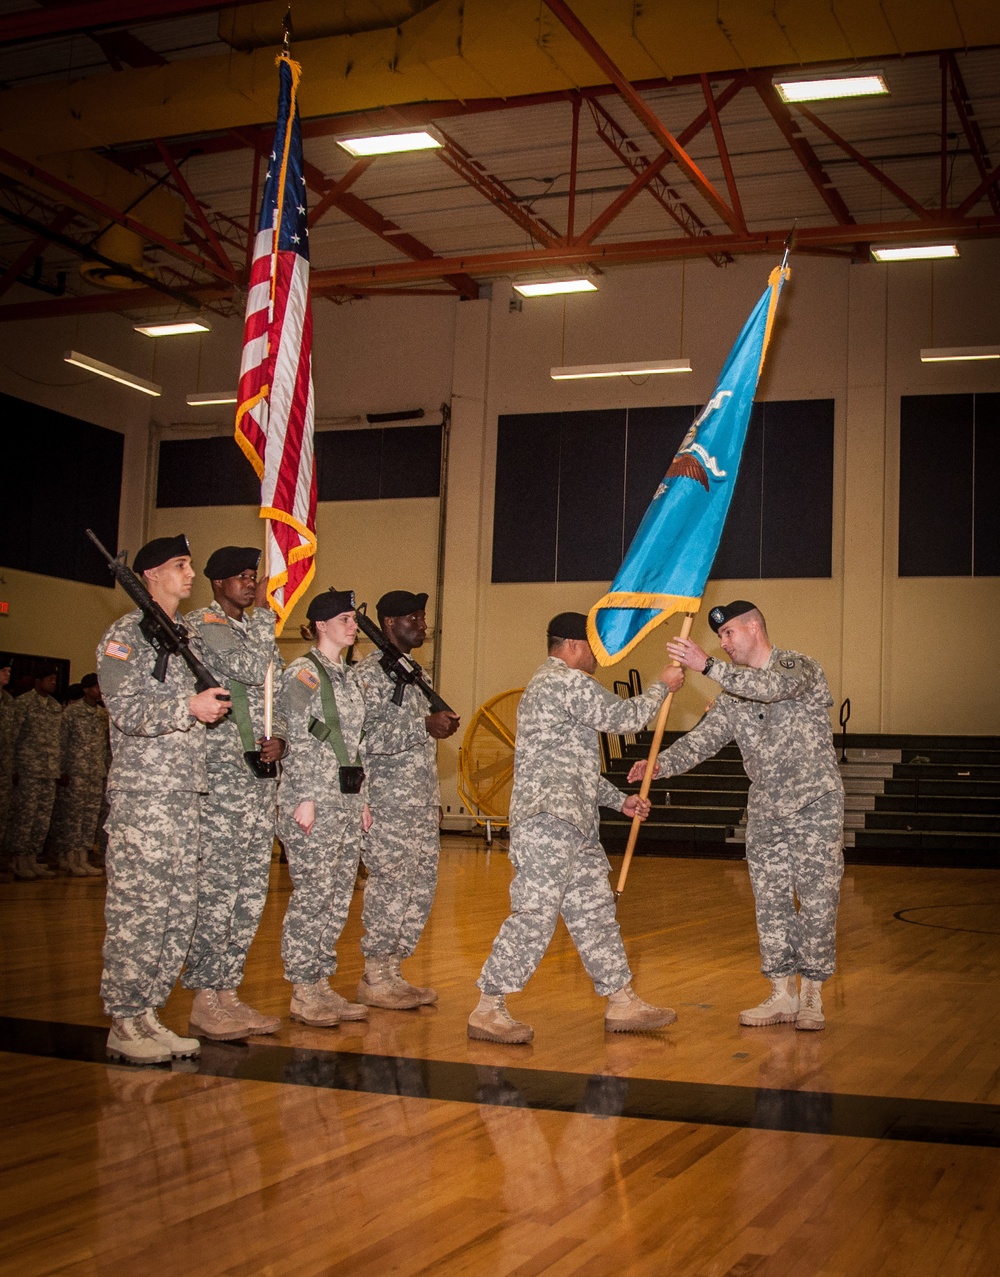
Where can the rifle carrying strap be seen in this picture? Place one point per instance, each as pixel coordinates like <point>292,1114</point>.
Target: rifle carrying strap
<point>241,715</point>
<point>329,729</point>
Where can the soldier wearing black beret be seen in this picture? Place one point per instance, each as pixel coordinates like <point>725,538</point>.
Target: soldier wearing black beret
<point>775,704</point>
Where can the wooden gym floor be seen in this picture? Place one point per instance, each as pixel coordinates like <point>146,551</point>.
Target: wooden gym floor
<point>400,1147</point>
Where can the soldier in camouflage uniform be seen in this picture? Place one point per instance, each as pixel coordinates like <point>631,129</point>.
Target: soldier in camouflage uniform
<point>6,759</point>
<point>775,704</point>
<point>36,772</point>
<point>85,751</point>
<point>401,849</point>
<point>321,807</point>
<point>560,865</point>
<point>155,787</point>
<point>238,814</point>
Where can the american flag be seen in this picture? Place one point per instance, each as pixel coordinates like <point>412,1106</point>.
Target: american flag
<point>274,417</point>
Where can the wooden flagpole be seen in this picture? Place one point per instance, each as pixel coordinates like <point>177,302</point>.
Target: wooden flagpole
<point>647,780</point>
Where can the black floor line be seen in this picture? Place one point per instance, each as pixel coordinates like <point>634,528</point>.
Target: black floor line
<point>813,1112</point>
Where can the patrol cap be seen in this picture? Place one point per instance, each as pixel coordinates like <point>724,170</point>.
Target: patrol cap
<point>159,551</point>
<point>568,625</point>
<point>718,616</point>
<point>400,603</point>
<point>231,560</point>
<point>330,604</point>
<point>88,680</point>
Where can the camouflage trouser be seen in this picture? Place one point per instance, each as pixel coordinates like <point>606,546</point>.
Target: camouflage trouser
<point>6,794</point>
<point>31,806</point>
<point>400,852</point>
<point>559,870</point>
<point>798,856</point>
<point>150,903</point>
<point>237,839</point>
<point>75,815</point>
<point>323,865</point>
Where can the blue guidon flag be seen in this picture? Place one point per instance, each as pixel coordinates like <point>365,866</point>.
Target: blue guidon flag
<point>671,554</point>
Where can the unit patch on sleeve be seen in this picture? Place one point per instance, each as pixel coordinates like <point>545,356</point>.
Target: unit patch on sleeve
<point>120,651</point>
<point>787,665</point>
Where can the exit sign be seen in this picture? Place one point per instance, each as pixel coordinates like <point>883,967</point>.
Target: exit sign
<point>4,607</point>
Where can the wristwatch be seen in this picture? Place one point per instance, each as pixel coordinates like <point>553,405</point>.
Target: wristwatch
<point>708,665</point>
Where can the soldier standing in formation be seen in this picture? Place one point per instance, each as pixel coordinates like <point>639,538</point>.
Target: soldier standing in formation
<point>238,814</point>
<point>321,807</point>
<point>6,760</point>
<point>157,780</point>
<point>560,865</point>
<point>36,771</point>
<point>85,751</point>
<point>775,704</point>
<point>402,848</point>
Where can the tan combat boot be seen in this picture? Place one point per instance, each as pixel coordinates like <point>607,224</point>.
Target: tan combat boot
<point>492,1022</point>
<point>427,996</point>
<point>167,1038</point>
<point>129,1040</point>
<point>627,1013</point>
<point>344,1009</point>
<point>311,1005</point>
<point>780,1008</point>
<point>24,868</point>
<point>255,1021</point>
<point>70,864</point>
<point>810,1014</point>
<point>212,1020</point>
<point>376,988</point>
<point>41,869</point>
<point>84,865</point>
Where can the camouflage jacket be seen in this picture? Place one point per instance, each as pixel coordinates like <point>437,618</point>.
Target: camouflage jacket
<point>557,758</point>
<point>309,769</point>
<point>402,757</point>
<point>84,745</point>
<point>35,736</point>
<point>238,650</point>
<point>8,722</point>
<point>779,717</point>
<point>156,742</point>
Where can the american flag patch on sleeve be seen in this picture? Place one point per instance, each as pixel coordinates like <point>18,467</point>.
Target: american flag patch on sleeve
<point>308,677</point>
<point>120,651</point>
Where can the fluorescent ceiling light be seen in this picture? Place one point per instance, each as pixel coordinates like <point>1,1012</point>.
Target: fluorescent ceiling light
<point>112,373</point>
<point>173,329</point>
<point>915,253</point>
<point>551,287</point>
<point>816,88</point>
<point>391,143</point>
<point>958,354</point>
<point>211,397</point>
<point>643,369</point>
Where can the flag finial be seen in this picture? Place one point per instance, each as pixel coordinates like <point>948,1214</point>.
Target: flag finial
<point>287,30</point>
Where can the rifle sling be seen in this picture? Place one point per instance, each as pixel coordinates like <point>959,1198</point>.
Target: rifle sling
<point>241,715</point>
<point>329,729</point>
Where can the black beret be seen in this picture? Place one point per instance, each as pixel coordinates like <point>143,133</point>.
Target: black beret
<point>334,602</point>
<point>6,660</point>
<point>568,625</point>
<point>45,669</point>
<point>400,603</point>
<point>720,615</point>
<point>88,680</point>
<point>74,692</point>
<point>231,560</point>
<point>159,551</point>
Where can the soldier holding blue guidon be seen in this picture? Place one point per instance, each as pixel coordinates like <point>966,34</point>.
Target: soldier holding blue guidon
<point>775,704</point>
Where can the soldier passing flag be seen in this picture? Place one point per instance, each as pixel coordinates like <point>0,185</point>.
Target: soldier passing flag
<point>668,562</point>
<point>274,418</point>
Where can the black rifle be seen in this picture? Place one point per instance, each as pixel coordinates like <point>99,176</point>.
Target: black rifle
<point>402,671</point>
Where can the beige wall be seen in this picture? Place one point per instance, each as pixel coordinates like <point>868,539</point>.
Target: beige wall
<point>911,654</point>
